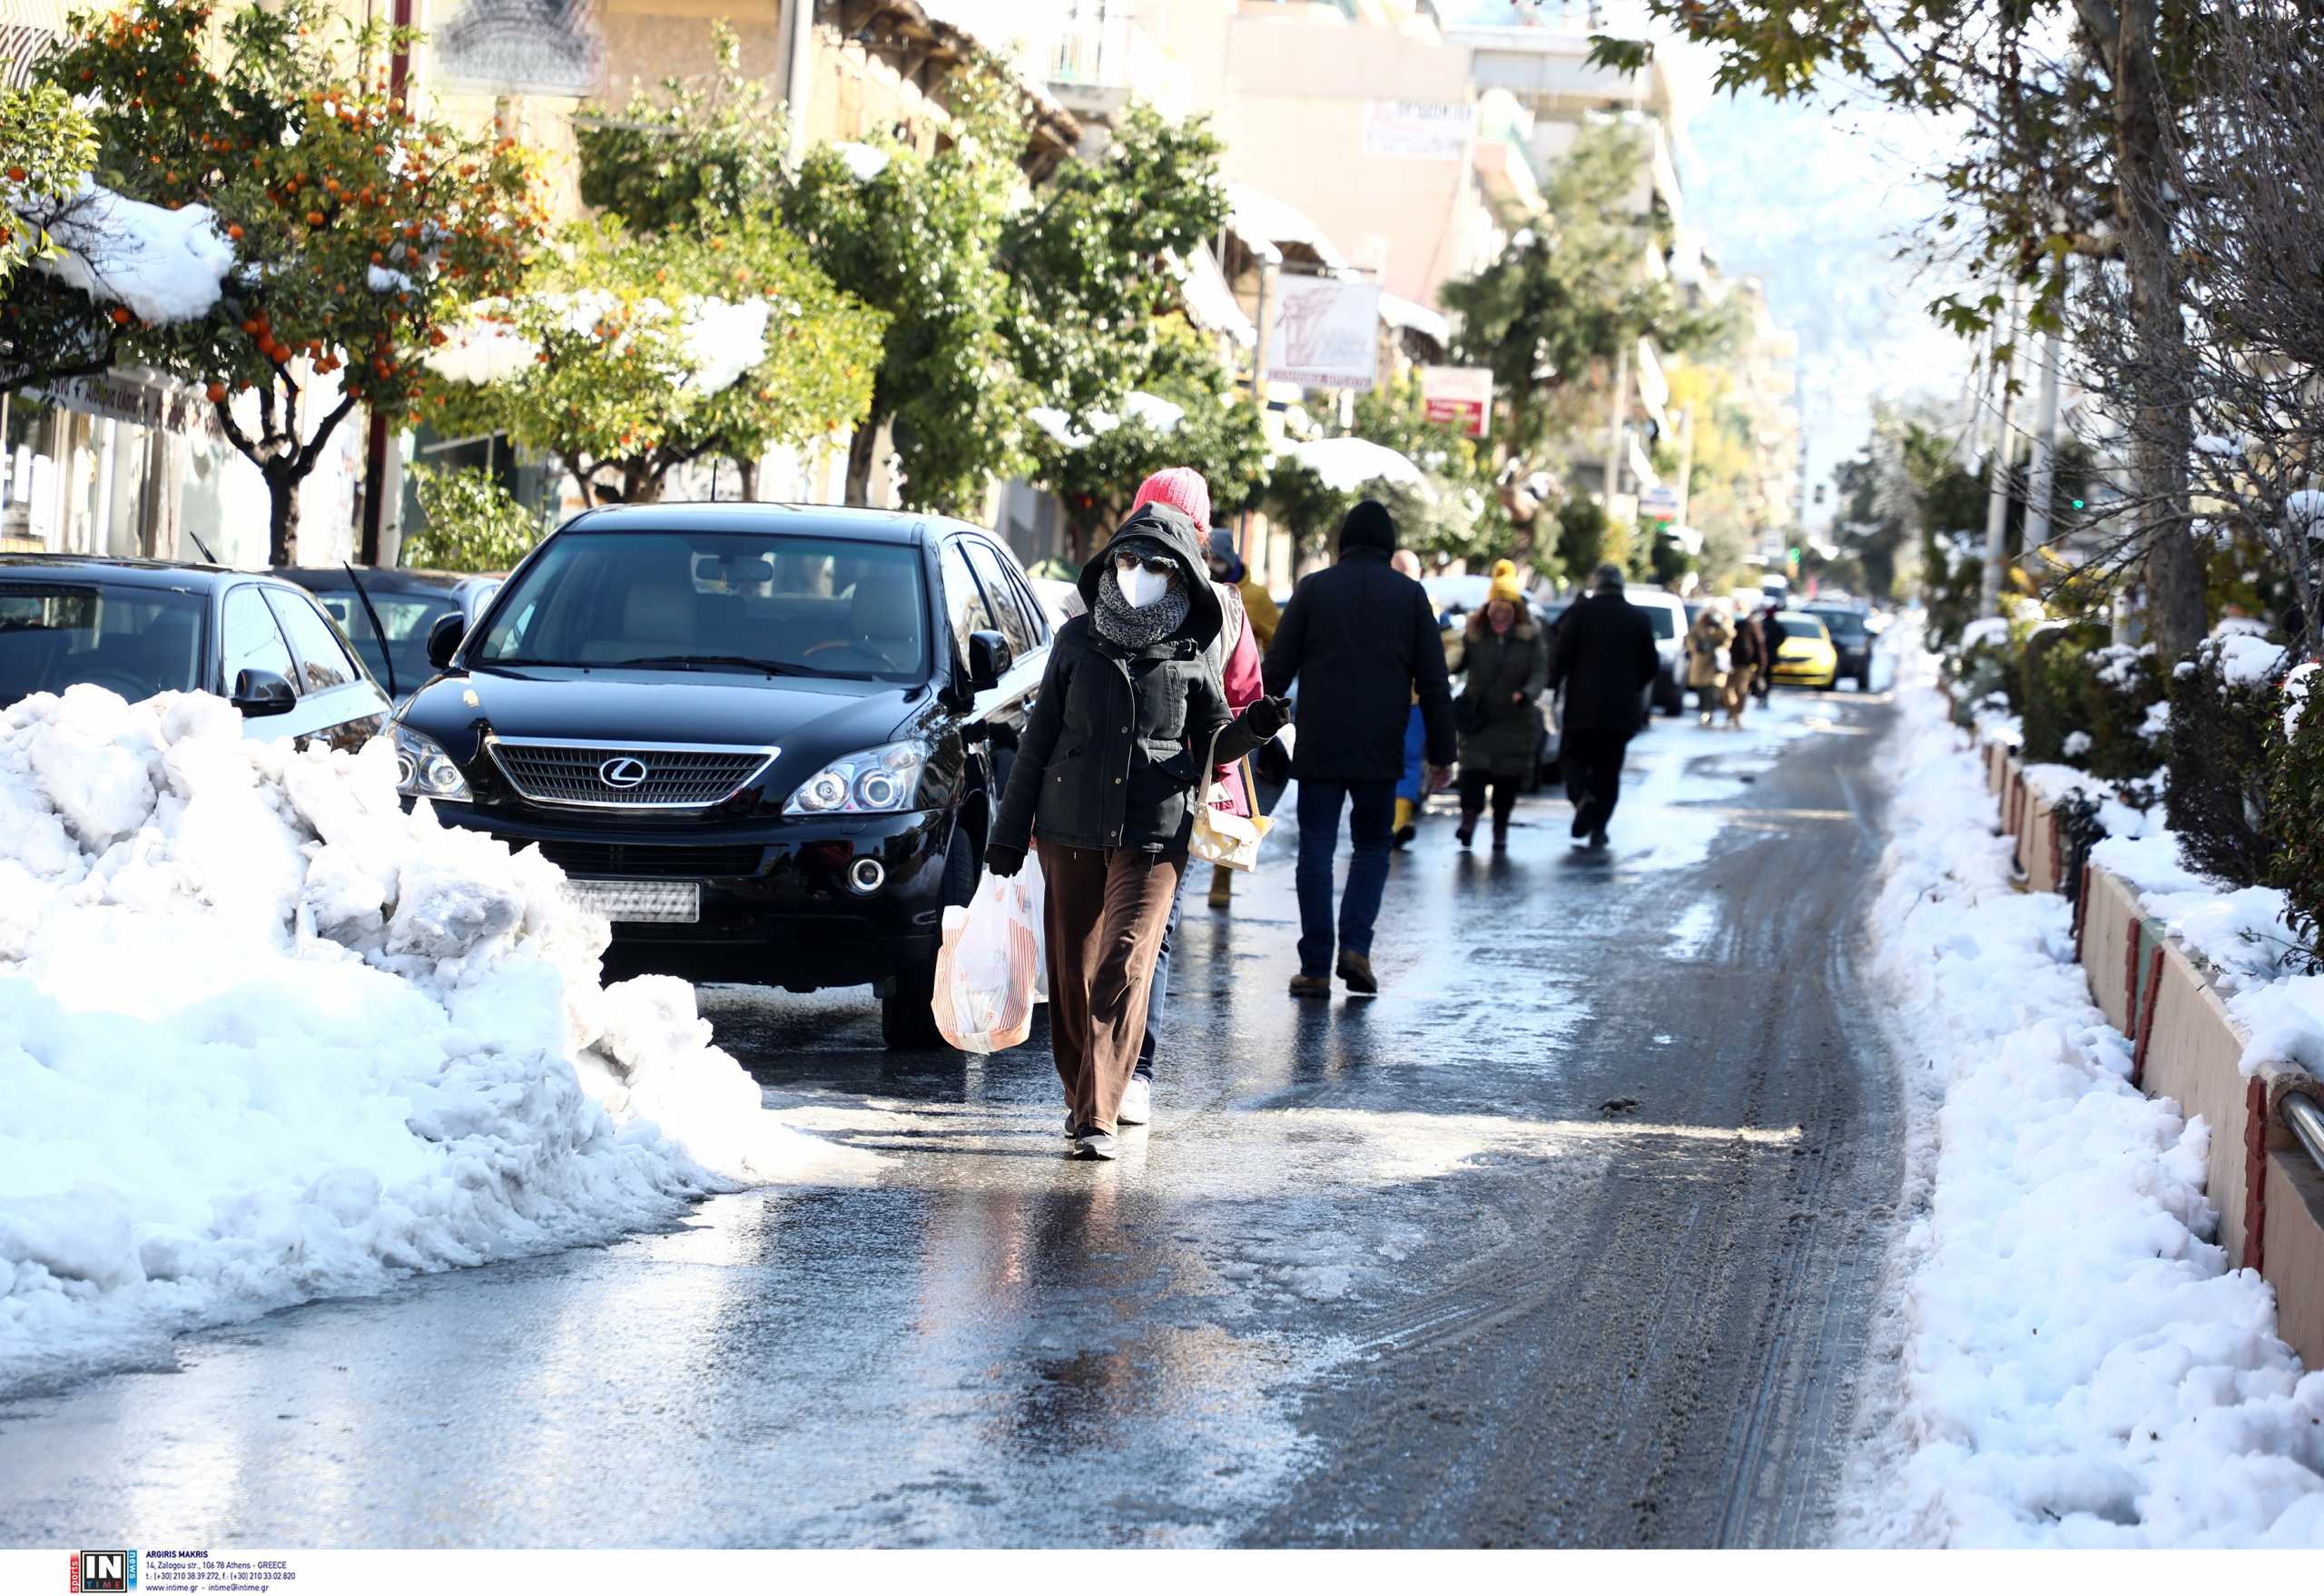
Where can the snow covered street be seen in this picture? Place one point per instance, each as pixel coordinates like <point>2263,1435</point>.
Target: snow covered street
<point>1571,1237</point>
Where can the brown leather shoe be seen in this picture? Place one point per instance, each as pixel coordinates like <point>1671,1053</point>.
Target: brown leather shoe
<point>1356,970</point>
<point>1311,986</point>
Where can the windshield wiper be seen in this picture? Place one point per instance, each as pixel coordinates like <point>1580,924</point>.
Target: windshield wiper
<point>773,668</point>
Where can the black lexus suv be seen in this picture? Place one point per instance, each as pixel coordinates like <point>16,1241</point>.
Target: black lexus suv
<point>763,740</point>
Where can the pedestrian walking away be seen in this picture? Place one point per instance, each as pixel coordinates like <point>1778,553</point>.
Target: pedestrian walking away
<point>1108,774</point>
<point>1361,640</point>
<point>1412,785</point>
<point>1770,645</point>
<point>1708,641</point>
<point>1236,656</point>
<point>1749,654</point>
<point>1499,715</point>
<point>1605,661</point>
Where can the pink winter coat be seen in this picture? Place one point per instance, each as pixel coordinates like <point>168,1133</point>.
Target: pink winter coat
<point>1243,686</point>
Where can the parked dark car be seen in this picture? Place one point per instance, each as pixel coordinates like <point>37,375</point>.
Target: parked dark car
<point>763,740</point>
<point>140,627</point>
<point>407,605</point>
<point>1853,638</point>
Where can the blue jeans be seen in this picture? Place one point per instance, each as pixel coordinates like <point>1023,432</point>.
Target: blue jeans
<point>1157,990</point>
<point>1371,807</point>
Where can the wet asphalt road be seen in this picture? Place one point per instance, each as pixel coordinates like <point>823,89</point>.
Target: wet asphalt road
<point>1570,1237</point>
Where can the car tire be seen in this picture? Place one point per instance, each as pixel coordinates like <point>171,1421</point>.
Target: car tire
<point>908,1008</point>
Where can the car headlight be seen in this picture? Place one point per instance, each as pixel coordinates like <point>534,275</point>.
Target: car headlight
<point>878,780</point>
<point>423,770</point>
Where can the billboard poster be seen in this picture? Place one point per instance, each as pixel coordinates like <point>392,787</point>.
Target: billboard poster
<point>1326,334</point>
<point>1417,130</point>
<point>520,47</point>
<point>1461,395</point>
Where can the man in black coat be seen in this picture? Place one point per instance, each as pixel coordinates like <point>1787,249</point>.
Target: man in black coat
<point>1604,658</point>
<point>1362,640</point>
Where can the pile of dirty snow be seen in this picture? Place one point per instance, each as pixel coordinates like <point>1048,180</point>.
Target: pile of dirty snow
<point>2076,1365</point>
<point>264,1038</point>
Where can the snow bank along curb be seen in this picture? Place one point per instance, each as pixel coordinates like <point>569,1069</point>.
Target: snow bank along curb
<point>264,1038</point>
<point>2079,1363</point>
<point>2224,1040</point>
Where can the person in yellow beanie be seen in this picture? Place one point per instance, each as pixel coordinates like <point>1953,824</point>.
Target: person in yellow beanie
<point>1499,711</point>
<point>1505,588</point>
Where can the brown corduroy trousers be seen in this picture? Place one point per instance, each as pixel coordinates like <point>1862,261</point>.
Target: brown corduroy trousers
<point>1104,912</point>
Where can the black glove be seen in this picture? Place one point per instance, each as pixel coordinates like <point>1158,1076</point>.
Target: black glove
<point>1266,716</point>
<point>1003,861</point>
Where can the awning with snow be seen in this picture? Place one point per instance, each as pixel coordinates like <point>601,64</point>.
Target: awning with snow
<point>1410,316</point>
<point>1346,464</point>
<point>1154,412</point>
<point>1210,304</point>
<point>1275,229</point>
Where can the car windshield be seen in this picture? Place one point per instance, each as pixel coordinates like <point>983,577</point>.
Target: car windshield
<point>1841,623</point>
<point>1799,629</point>
<point>669,600</point>
<point>1665,619</point>
<point>135,641</point>
<point>406,616</point>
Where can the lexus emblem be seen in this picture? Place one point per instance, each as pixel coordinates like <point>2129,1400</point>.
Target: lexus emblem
<point>624,773</point>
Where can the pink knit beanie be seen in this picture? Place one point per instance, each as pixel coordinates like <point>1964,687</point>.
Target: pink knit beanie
<point>1182,488</point>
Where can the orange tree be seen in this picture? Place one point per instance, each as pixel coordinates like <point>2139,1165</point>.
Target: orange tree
<point>359,228</point>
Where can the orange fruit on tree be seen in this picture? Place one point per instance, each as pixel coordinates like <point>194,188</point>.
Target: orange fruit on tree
<point>217,392</point>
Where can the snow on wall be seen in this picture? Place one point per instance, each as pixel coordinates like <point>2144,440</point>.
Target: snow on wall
<point>2076,1364</point>
<point>265,1038</point>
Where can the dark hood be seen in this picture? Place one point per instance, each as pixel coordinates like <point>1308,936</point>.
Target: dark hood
<point>1368,525</point>
<point>1183,541</point>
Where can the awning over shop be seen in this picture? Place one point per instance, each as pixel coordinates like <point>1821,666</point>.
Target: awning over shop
<point>1346,464</point>
<point>1275,229</point>
<point>1210,304</point>
<point>1410,316</point>
<point>27,28</point>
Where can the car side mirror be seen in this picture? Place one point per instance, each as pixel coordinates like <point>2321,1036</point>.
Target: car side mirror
<point>258,691</point>
<point>444,638</point>
<point>989,657</point>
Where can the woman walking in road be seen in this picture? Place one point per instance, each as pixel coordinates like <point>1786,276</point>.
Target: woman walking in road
<point>1507,660</point>
<point>1707,661</point>
<point>1749,653</point>
<point>1107,772</point>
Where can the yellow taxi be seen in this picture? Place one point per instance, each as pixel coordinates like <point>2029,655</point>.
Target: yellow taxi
<point>1806,657</point>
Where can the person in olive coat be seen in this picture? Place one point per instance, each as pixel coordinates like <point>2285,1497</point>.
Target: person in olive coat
<point>1498,713</point>
<point>1107,776</point>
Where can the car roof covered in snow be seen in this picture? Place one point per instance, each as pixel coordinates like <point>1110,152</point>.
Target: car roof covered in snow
<point>125,573</point>
<point>811,520</point>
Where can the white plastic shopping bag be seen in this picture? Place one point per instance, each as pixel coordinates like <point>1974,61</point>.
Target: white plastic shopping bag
<point>990,966</point>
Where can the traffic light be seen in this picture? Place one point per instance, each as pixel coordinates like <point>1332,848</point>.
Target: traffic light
<point>2076,503</point>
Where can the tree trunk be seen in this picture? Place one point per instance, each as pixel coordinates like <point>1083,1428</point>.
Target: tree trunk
<point>2159,447</point>
<point>748,470</point>
<point>282,518</point>
<point>861,451</point>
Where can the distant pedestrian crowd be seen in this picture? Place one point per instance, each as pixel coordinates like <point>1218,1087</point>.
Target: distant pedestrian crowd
<point>1165,706</point>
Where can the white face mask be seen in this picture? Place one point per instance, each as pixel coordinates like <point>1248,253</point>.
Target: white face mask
<point>1141,586</point>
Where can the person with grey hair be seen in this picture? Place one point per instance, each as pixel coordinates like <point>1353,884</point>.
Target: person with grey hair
<point>1604,658</point>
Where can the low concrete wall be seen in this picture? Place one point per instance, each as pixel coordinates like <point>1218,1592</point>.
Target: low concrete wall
<point>2186,1045</point>
<point>2110,945</point>
<point>2188,1049</point>
<point>2041,845</point>
<point>2294,1251</point>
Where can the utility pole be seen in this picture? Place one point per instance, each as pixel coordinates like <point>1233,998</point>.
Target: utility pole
<point>2041,476</point>
<point>377,467</point>
<point>1998,470</point>
<point>1686,462</point>
<point>1614,431</point>
<point>798,78</point>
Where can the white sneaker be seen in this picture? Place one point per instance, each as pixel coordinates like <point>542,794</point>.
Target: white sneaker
<point>1138,1103</point>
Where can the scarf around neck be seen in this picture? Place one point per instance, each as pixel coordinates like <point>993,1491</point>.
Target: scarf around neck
<point>1125,626</point>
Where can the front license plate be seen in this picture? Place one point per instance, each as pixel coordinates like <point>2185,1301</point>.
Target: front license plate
<point>663,902</point>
